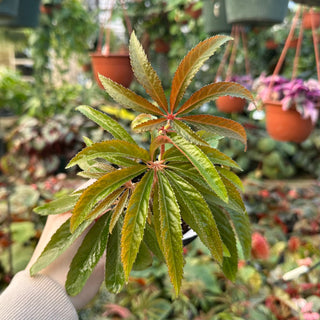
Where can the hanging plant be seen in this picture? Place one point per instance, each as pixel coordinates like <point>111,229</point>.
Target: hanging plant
<point>140,196</point>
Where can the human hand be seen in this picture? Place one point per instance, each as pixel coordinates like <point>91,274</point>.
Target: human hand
<point>59,268</point>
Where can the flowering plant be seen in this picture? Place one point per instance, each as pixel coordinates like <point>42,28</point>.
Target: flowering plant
<point>302,95</point>
<point>244,80</point>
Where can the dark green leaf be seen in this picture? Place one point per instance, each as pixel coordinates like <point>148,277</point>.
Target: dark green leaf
<point>144,258</point>
<point>152,241</point>
<point>114,277</point>
<point>119,208</point>
<point>88,255</point>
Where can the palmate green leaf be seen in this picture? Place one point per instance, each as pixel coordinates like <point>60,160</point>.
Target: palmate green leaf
<point>96,170</point>
<point>202,163</point>
<point>232,177</point>
<point>87,256</point>
<point>128,98</point>
<point>118,210</point>
<point>101,189</point>
<point>106,122</point>
<point>150,125</point>
<point>105,205</point>
<point>218,125</point>
<point>59,242</point>
<point>234,193</point>
<point>185,131</point>
<point>110,149</point>
<point>156,217</point>
<point>191,64</point>
<point>60,205</point>
<point>145,74</point>
<point>134,222</point>
<point>171,231</point>
<point>230,264</point>
<point>144,258</point>
<point>196,213</point>
<point>114,275</point>
<point>212,92</point>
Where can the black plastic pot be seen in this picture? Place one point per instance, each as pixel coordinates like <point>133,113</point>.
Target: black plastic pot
<point>256,12</point>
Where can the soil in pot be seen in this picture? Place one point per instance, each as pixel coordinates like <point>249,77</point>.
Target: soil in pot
<point>286,125</point>
<point>230,104</point>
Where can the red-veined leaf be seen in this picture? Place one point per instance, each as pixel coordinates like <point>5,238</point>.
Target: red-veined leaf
<point>150,125</point>
<point>171,231</point>
<point>134,222</point>
<point>145,74</point>
<point>196,213</point>
<point>157,142</point>
<point>202,163</point>
<point>190,65</point>
<point>101,189</point>
<point>212,92</point>
<point>128,98</point>
<point>106,123</point>
<point>118,210</point>
<point>110,149</point>
<point>218,125</point>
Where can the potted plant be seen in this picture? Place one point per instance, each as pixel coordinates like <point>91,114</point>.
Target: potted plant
<point>229,104</point>
<point>311,17</point>
<point>291,106</point>
<point>138,197</point>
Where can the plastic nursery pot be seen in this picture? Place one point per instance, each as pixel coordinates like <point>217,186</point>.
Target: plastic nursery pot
<point>28,14</point>
<point>8,11</point>
<point>256,12</point>
<point>230,104</point>
<point>307,19</point>
<point>286,125</point>
<point>214,16</point>
<point>117,67</point>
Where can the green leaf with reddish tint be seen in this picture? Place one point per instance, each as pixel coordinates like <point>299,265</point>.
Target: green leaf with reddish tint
<point>128,98</point>
<point>196,213</point>
<point>185,131</point>
<point>118,210</point>
<point>87,256</point>
<point>158,142</point>
<point>110,149</point>
<point>150,125</point>
<point>145,74</point>
<point>202,163</point>
<point>190,65</point>
<point>212,92</point>
<point>171,231</point>
<point>151,240</point>
<point>106,123</point>
<point>218,125</point>
<point>230,264</point>
<point>114,275</point>
<point>61,240</point>
<point>232,177</point>
<point>156,216</point>
<point>134,222</point>
<point>101,189</point>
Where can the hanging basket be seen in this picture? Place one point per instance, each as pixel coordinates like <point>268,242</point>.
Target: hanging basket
<point>307,20</point>
<point>256,12</point>
<point>8,11</point>
<point>230,104</point>
<point>117,67</point>
<point>286,125</point>
<point>214,15</point>
<point>28,15</point>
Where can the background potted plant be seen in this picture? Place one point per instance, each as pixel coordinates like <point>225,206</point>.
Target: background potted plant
<point>291,106</point>
<point>140,195</point>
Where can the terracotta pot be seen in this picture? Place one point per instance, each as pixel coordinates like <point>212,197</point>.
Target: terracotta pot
<point>161,46</point>
<point>117,67</point>
<point>286,125</point>
<point>293,43</point>
<point>230,104</point>
<point>271,44</point>
<point>307,20</point>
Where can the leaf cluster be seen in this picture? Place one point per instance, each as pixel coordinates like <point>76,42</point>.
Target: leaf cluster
<point>139,198</point>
